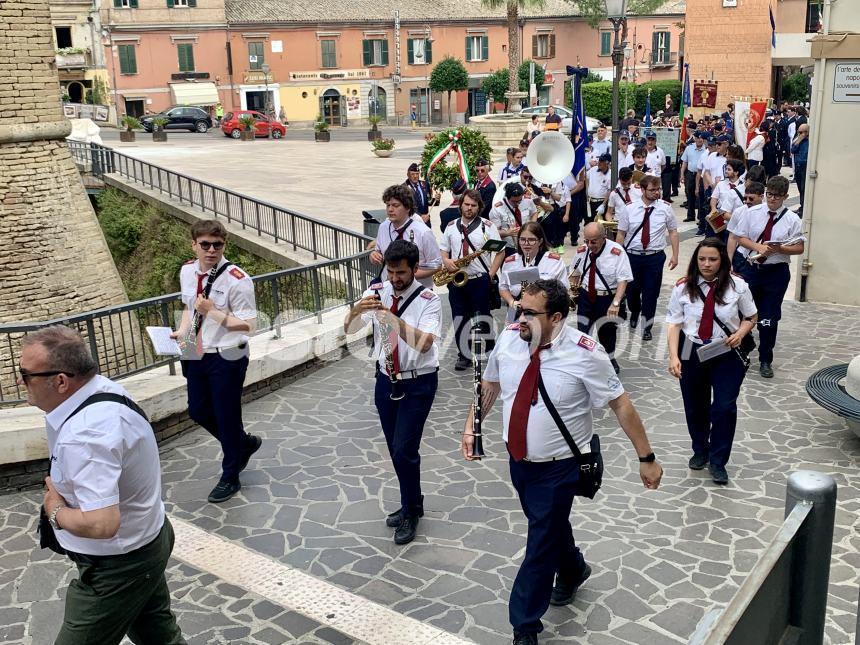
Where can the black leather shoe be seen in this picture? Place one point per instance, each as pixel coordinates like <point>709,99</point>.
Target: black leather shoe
<point>252,446</point>
<point>564,591</point>
<point>394,519</point>
<point>634,321</point>
<point>765,370</point>
<point>698,461</point>
<point>405,533</point>
<point>701,232</point>
<point>646,335</point>
<point>615,366</point>
<point>525,639</point>
<point>462,364</point>
<point>690,219</point>
<point>718,474</point>
<point>223,491</point>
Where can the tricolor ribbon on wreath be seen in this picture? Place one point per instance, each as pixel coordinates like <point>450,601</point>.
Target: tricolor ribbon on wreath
<point>453,146</point>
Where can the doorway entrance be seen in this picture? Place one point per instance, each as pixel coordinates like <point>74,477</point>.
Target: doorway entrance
<point>331,107</point>
<point>134,107</point>
<point>76,92</point>
<point>477,102</point>
<point>377,105</point>
<point>256,101</point>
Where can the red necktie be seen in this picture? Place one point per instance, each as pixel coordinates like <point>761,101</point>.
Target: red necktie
<point>400,232</point>
<point>465,249</point>
<point>518,216</point>
<point>768,228</point>
<point>731,185</point>
<point>592,270</point>
<point>393,338</point>
<point>626,195</point>
<point>646,229</point>
<point>706,325</point>
<point>198,336</point>
<point>527,395</point>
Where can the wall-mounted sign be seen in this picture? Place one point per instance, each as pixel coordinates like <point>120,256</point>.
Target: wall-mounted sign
<point>340,74</point>
<point>846,83</point>
<point>730,3</point>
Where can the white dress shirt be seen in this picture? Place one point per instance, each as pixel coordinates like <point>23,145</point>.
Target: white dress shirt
<point>715,163</point>
<point>751,224</point>
<point>232,292</point>
<point>755,149</point>
<point>103,456</point>
<point>662,221</point>
<point>612,263</point>
<point>424,313</point>
<point>625,158</point>
<point>421,235</point>
<point>728,201</point>
<point>688,313</point>
<point>578,377</point>
<point>620,197</point>
<point>597,183</point>
<point>550,265</point>
<point>655,160</point>
<point>601,147</point>
<point>502,216</point>
<point>479,231</point>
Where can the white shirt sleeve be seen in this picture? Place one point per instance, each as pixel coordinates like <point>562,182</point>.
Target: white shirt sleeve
<point>675,309</point>
<point>623,270</point>
<point>445,241</point>
<point>432,257</point>
<point>93,468</point>
<point>600,380</point>
<point>504,278</point>
<point>623,220</point>
<point>671,220</point>
<point>746,304</point>
<point>431,318</point>
<point>491,370</point>
<point>242,302</point>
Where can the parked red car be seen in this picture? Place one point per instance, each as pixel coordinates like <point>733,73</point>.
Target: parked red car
<point>263,125</point>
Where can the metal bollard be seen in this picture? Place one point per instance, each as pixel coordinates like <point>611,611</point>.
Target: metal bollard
<point>812,549</point>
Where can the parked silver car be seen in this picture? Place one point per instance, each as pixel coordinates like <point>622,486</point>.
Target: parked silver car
<point>565,114</point>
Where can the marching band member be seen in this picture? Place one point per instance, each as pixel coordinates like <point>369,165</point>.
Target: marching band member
<point>639,156</point>
<point>407,371</point>
<point>645,225</point>
<point>509,214</point>
<point>656,156</point>
<point>421,192</point>
<point>625,150</point>
<point>624,194</point>
<point>514,165</point>
<point>766,230</point>
<point>597,185</point>
<point>551,370</point>
<point>462,237</point>
<point>399,208</point>
<point>485,185</point>
<point>728,196</point>
<point>604,269</point>
<point>532,251</point>
<point>753,196</point>
<point>708,299</point>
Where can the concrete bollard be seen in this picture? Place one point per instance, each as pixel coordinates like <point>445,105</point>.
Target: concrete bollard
<point>812,550</point>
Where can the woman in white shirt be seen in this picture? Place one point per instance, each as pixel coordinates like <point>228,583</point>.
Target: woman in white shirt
<point>710,309</point>
<point>755,149</point>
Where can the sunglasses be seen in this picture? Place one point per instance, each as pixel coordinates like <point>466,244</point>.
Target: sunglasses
<point>211,245</point>
<point>26,376</point>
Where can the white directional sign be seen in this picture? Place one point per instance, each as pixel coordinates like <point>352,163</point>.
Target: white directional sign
<point>846,83</point>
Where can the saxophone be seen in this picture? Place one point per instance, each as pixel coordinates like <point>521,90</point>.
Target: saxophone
<point>459,277</point>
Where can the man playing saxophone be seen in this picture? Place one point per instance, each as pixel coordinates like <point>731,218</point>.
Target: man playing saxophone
<point>407,366</point>
<point>461,238</point>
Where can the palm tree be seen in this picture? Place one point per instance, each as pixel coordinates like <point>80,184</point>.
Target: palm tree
<point>513,13</point>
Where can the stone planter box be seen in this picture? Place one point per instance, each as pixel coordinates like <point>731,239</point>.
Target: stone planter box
<point>373,135</point>
<point>383,153</point>
<point>126,136</point>
<point>159,135</point>
<point>247,135</point>
<point>322,136</point>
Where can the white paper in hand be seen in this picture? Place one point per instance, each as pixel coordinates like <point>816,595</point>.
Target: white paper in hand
<point>162,343</point>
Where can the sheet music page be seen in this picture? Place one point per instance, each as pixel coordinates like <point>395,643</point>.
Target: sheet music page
<point>162,343</point>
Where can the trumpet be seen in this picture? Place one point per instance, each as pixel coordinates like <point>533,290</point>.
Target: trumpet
<point>457,278</point>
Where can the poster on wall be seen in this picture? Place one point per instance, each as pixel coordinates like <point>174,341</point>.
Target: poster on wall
<point>353,107</point>
<point>705,94</point>
<point>70,111</point>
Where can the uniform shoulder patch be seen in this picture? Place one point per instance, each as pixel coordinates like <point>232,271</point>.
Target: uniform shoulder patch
<point>510,258</point>
<point>190,262</point>
<point>681,281</point>
<point>581,249</point>
<point>513,326</point>
<point>428,295</point>
<point>553,256</point>
<point>587,343</point>
<point>615,251</point>
<point>497,204</point>
<point>237,273</point>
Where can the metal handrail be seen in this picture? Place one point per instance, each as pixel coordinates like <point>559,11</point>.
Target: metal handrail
<point>319,238</point>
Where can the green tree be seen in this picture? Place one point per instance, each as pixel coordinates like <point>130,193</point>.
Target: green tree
<point>495,85</point>
<point>795,88</point>
<point>512,8</point>
<point>595,10</point>
<point>449,75</point>
<point>523,74</point>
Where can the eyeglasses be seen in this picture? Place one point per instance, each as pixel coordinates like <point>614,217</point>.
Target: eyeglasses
<point>749,198</point>
<point>528,240</point>
<point>528,314</point>
<point>26,376</point>
<point>213,245</point>
<point>776,195</point>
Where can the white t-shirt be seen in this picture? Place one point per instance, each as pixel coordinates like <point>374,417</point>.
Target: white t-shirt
<point>655,160</point>
<point>728,201</point>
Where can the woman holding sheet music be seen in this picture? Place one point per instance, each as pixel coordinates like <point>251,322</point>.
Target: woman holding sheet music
<point>710,312</point>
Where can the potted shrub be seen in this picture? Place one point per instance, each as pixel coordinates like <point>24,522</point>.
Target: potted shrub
<point>158,132</point>
<point>374,133</point>
<point>321,131</point>
<point>130,123</point>
<point>383,147</point>
<point>247,122</point>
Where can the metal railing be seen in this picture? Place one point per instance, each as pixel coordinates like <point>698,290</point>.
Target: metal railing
<point>117,336</point>
<point>784,598</point>
<point>321,239</point>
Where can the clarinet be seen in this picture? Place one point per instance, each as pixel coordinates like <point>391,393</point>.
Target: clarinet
<point>197,319</point>
<point>477,354</point>
<point>388,355</point>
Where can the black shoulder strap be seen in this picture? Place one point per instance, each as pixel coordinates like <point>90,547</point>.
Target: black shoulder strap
<point>409,300</point>
<point>629,240</point>
<point>557,418</point>
<point>472,246</point>
<point>738,193</point>
<point>99,397</point>
<point>211,280</point>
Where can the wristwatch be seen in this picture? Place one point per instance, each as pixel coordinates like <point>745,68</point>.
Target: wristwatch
<point>616,304</point>
<point>647,459</point>
<point>52,518</point>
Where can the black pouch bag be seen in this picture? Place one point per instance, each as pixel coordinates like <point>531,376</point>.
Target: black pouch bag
<point>47,537</point>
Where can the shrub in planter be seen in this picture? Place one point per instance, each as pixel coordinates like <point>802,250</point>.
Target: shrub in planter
<point>383,147</point>
<point>374,133</point>
<point>321,131</point>
<point>158,133</point>
<point>130,124</point>
<point>247,123</point>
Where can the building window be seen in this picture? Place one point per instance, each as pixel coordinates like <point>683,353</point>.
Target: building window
<point>660,48</point>
<point>329,53</point>
<point>186,57</point>
<point>64,37</point>
<point>374,52</point>
<point>605,43</point>
<point>419,51</point>
<point>125,4</point>
<point>255,55</point>
<point>543,46</point>
<point>180,3</point>
<point>477,48</point>
<point>127,59</point>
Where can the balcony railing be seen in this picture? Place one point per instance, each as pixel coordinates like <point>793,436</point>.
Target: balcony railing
<point>73,60</point>
<point>663,58</point>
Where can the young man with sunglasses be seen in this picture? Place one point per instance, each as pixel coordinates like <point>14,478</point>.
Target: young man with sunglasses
<point>220,313</point>
<point>773,233</point>
<point>753,196</point>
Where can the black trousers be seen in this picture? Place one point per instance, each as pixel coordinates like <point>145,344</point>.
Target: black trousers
<point>589,313</point>
<point>768,284</point>
<point>644,289</point>
<point>468,301</point>
<point>690,190</point>
<point>800,180</point>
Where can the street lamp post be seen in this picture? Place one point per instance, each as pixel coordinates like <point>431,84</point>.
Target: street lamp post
<point>266,105</point>
<point>616,11</point>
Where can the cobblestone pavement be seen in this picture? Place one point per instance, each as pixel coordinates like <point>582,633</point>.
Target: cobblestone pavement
<point>315,499</point>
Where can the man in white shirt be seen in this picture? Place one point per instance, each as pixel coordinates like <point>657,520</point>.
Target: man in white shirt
<point>689,164</point>
<point>103,502</point>
<point>601,145</point>
<point>624,194</point>
<point>542,364</point>
<point>597,185</point>
<point>656,157</point>
<point>728,196</point>
<point>625,150</point>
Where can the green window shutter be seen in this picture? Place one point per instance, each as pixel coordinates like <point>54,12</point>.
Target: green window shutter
<point>655,46</point>
<point>485,48</point>
<point>605,43</point>
<point>192,3</point>
<point>186,57</point>
<point>552,45</point>
<point>468,48</point>
<point>534,46</point>
<point>385,52</point>
<point>117,3</point>
<point>132,4</point>
<point>170,4</point>
<point>127,60</point>
<point>366,52</point>
<point>428,51</point>
<point>410,51</point>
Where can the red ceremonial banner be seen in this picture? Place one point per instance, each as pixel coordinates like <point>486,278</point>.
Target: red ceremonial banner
<point>705,94</point>
<point>753,118</point>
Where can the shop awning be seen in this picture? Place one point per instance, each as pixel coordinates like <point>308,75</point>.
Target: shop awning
<point>200,94</point>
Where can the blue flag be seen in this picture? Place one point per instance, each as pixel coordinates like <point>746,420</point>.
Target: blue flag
<point>578,131</point>
<point>685,97</point>
<point>648,110</point>
<point>772,26</point>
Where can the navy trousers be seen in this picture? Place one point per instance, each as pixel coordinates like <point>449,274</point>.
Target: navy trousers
<point>704,205</point>
<point>545,490</point>
<point>710,392</point>
<point>466,302</point>
<point>768,284</point>
<point>215,402</point>
<point>690,180</point>
<point>644,289</point>
<point>403,425</point>
<point>589,313</point>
